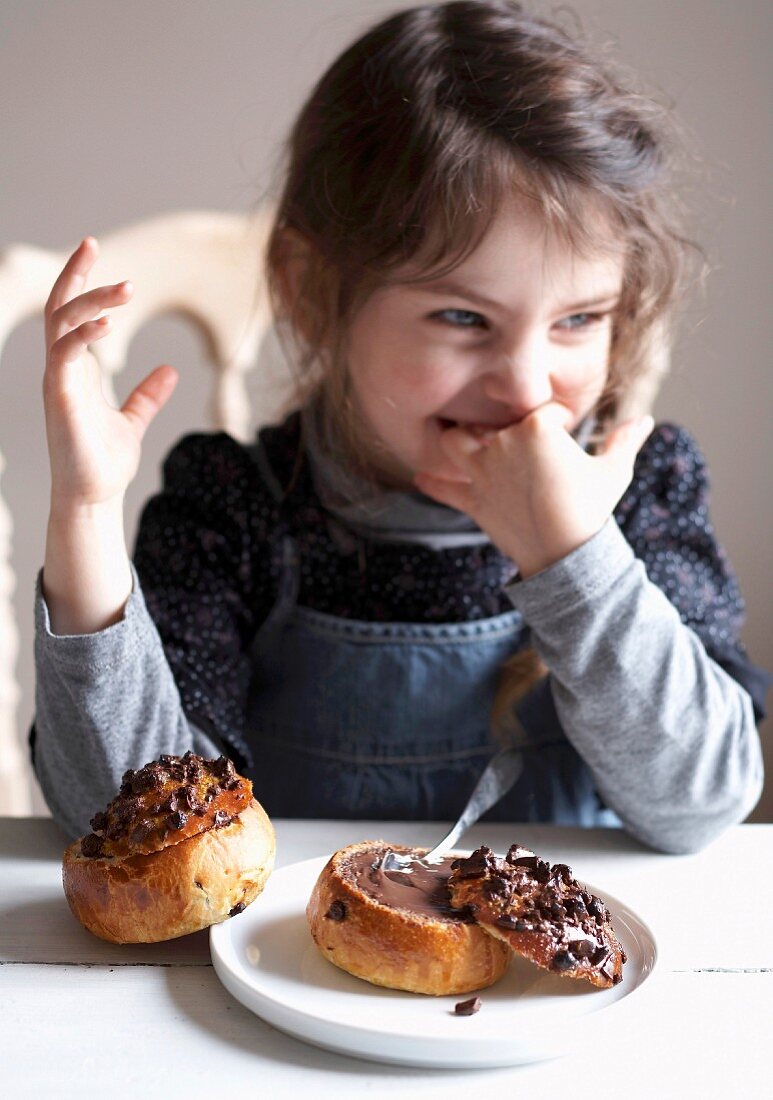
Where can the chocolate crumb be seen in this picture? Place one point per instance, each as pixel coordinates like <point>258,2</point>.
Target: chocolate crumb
<point>597,908</point>
<point>91,846</point>
<point>527,863</point>
<point>468,1008</point>
<point>562,871</point>
<point>564,960</point>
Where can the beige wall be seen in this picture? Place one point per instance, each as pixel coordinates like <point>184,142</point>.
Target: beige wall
<point>115,111</point>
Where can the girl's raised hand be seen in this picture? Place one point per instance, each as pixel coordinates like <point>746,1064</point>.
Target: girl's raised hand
<point>94,449</point>
<point>530,487</point>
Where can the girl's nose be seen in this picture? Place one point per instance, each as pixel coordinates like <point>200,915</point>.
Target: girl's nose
<point>521,381</point>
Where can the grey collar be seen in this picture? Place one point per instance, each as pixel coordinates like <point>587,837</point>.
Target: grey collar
<point>385,515</point>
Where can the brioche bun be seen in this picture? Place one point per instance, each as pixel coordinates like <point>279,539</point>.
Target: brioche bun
<point>184,845</point>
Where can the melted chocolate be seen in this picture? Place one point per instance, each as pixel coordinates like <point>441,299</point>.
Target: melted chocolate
<point>420,889</point>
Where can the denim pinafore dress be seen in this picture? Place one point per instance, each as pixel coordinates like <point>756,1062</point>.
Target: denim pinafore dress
<point>352,719</point>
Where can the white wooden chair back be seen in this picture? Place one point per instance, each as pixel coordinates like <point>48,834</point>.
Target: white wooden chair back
<point>205,265</point>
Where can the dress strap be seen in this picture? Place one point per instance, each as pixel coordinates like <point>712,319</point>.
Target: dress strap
<point>290,576</point>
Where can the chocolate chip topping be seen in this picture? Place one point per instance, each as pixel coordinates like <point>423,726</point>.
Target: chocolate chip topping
<point>519,860</point>
<point>541,911</point>
<point>564,960</point>
<point>481,860</point>
<point>167,797</point>
<point>91,845</point>
<point>224,768</point>
<point>562,871</point>
<point>468,1008</point>
<point>141,832</point>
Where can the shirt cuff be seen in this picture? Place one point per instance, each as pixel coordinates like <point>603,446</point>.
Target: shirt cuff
<point>99,651</point>
<point>576,579</point>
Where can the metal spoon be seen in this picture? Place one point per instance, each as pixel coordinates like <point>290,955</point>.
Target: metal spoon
<point>498,777</point>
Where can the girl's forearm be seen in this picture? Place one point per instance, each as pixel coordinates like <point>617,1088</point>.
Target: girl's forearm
<point>668,735</point>
<point>86,574</point>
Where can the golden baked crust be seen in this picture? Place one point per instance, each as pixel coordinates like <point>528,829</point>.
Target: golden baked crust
<point>397,947</point>
<point>141,878</point>
<point>541,912</point>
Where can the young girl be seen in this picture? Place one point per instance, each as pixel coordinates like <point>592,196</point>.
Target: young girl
<point>461,536</point>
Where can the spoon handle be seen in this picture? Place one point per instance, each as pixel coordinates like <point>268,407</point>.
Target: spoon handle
<point>500,774</point>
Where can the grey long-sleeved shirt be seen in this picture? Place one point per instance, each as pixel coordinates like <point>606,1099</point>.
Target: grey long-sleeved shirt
<point>668,734</point>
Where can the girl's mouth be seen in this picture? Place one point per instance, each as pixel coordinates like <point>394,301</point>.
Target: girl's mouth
<point>446,423</point>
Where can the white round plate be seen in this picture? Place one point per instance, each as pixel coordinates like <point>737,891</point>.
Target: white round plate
<point>266,958</point>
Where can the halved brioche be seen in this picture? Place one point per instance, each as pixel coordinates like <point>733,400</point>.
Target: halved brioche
<point>438,951</point>
<point>539,911</point>
<point>182,846</point>
<point>452,927</point>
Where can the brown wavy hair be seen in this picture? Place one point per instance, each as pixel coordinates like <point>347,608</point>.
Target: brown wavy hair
<point>402,156</point>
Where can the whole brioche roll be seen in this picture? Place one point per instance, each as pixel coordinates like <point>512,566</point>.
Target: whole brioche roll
<point>421,945</point>
<point>183,845</point>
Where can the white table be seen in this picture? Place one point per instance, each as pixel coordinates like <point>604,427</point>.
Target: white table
<point>83,1018</point>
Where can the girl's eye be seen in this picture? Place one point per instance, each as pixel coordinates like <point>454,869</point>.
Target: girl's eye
<point>461,318</point>
<point>580,321</point>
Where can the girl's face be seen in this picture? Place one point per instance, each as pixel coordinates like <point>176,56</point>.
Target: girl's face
<point>522,321</point>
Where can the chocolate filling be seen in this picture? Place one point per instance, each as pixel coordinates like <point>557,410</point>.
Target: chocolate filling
<point>420,889</point>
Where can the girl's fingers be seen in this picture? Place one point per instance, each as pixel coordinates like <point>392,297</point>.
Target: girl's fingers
<point>70,348</point>
<point>150,396</point>
<point>461,447</point>
<point>623,444</point>
<point>552,414</point>
<point>453,493</point>
<point>84,307</point>
<point>73,275</point>
<point>628,438</point>
<point>447,471</point>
